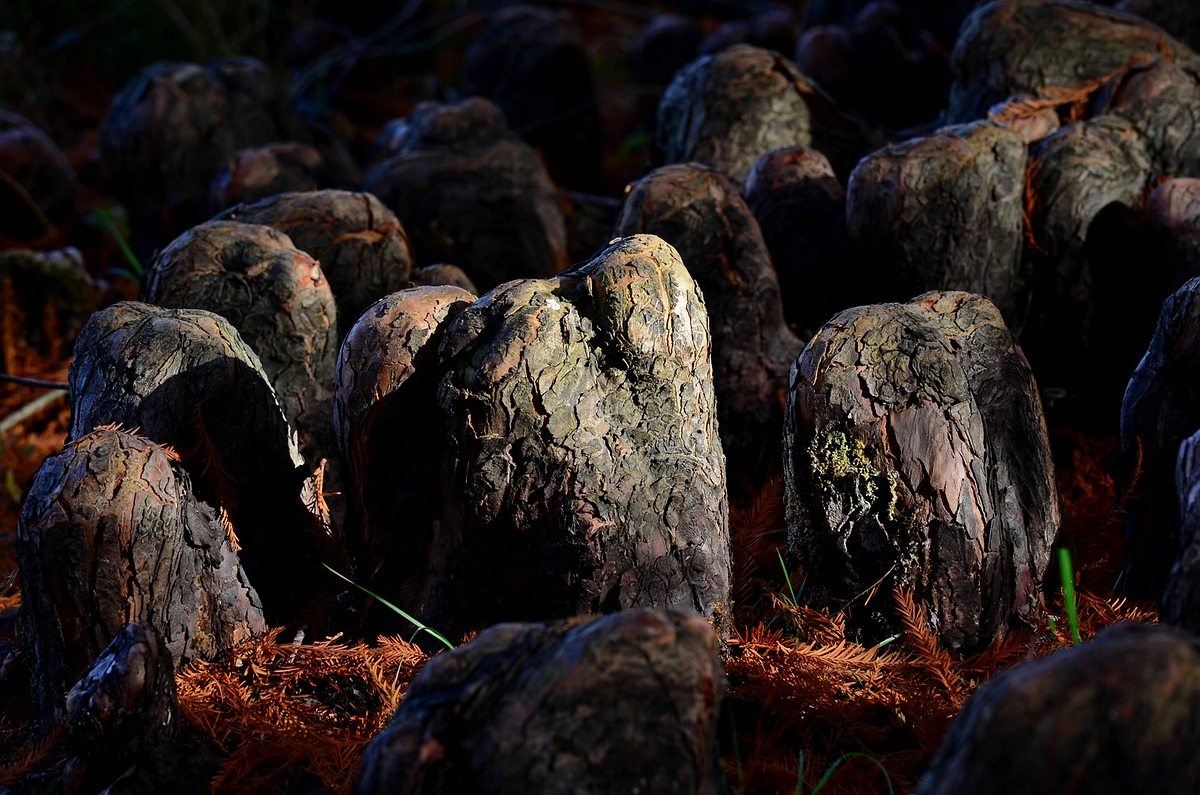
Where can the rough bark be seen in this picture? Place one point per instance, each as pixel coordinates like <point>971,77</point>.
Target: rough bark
<point>1160,410</point>
<point>387,418</point>
<point>590,223</point>
<point>112,533</point>
<point>941,212</point>
<point>124,706</point>
<point>279,301</point>
<point>729,109</point>
<point>1031,125</point>
<point>363,250</point>
<point>801,208</point>
<point>701,214</point>
<point>1011,47</point>
<point>1180,18</point>
<point>468,191</point>
<point>1074,175</point>
<point>1115,715</point>
<point>251,175</point>
<point>533,63</point>
<point>186,379</point>
<point>172,127</point>
<point>1172,216</point>
<point>583,472</point>
<point>627,703</point>
<point>1161,99</point>
<point>443,275</point>
<point>39,188</point>
<point>915,448</point>
<point>1181,597</point>
<point>45,298</point>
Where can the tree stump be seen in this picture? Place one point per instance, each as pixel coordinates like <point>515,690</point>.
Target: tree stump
<point>533,63</point>
<point>941,212</point>
<point>389,431</point>
<point>40,189</point>
<point>170,129</point>
<point>111,532</point>
<point>124,706</point>
<point>468,191</point>
<point>801,210</point>
<point>1009,47</point>
<point>701,214</point>
<point>626,703</point>
<point>915,448</point>
<point>443,275</point>
<point>278,300</point>
<point>1160,410</point>
<point>186,379</point>
<point>729,109</point>
<point>255,174</point>
<point>1172,217</point>
<point>363,250</point>
<point>1116,715</point>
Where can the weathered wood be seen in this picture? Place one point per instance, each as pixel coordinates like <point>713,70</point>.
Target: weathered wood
<point>279,301</point>
<point>801,210</point>
<point>729,109</point>
<point>698,211</point>
<point>1160,410</point>
<point>533,63</point>
<point>172,127</point>
<point>251,175</point>
<point>443,275</point>
<point>363,250</point>
<point>1011,47</point>
<point>37,172</point>
<point>1116,715</point>
<point>186,379</point>
<point>626,703</point>
<point>915,449</point>
<point>1161,99</point>
<point>390,433</point>
<point>123,706</point>
<point>111,533</point>
<point>941,212</point>
<point>468,191</point>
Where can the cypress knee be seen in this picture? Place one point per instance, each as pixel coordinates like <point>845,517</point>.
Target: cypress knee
<point>111,532</point>
<point>254,174</point>
<point>443,275</point>
<point>1172,215</point>
<point>699,212</point>
<point>1181,597</point>
<point>626,703</point>
<point>37,172</point>
<point>915,449</point>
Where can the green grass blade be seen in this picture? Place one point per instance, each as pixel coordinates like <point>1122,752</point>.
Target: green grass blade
<point>106,220</point>
<point>420,627</point>
<point>1068,586</point>
<point>851,755</point>
<point>787,578</point>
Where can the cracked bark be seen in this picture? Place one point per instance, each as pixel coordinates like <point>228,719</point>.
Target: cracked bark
<point>915,448</point>
<point>1115,715</point>
<point>278,300</point>
<point>179,375</point>
<point>468,191</point>
<point>941,212</point>
<point>699,212</point>
<point>729,109</point>
<point>363,250</point>
<point>626,703</point>
<point>112,533</point>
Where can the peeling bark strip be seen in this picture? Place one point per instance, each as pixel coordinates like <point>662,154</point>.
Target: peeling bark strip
<point>1109,717</point>
<point>914,445</point>
<point>801,210</point>
<point>278,300</point>
<point>390,433</point>
<point>111,533</point>
<point>1181,598</point>
<point>583,471</point>
<point>362,248</point>
<point>699,212</point>
<point>1160,410</point>
<point>1010,47</point>
<point>124,706</point>
<point>468,191</point>
<point>942,212</point>
<point>729,109</point>
<point>626,703</point>
<point>157,370</point>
